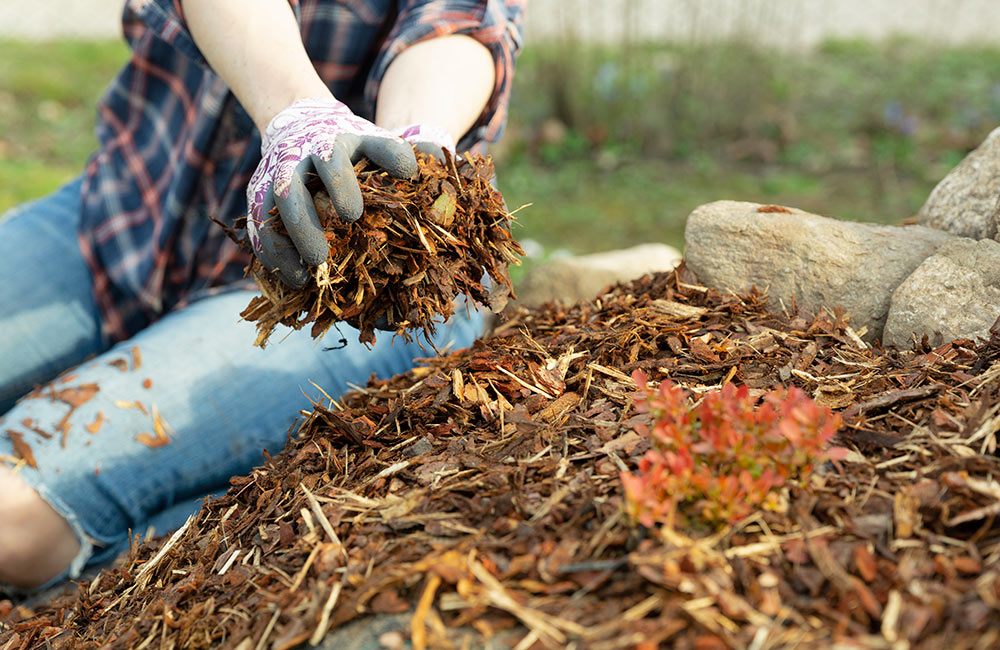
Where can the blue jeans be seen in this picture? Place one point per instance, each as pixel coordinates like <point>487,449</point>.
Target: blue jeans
<point>193,376</point>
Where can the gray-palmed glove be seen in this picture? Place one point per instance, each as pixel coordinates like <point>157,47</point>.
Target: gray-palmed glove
<point>324,137</point>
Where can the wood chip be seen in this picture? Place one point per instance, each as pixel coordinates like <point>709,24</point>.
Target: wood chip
<point>21,448</point>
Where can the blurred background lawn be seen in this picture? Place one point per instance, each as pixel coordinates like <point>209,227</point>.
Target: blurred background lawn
<point>615,140</point>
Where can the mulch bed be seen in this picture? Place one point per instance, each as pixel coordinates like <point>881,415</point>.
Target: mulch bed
<point>482,491</point>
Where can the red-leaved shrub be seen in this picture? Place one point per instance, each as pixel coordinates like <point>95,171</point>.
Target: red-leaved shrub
<point>726,457</point>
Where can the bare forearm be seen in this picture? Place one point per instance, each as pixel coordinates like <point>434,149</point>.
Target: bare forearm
<point>444,81</point>
<point>255,46</point>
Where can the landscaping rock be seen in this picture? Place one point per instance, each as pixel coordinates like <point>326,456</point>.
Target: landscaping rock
<point>573,279</point>
<point>965,201</point>
<point>815,261</point>
<point>953,294</point>
<point>388,631</point>
<point>365,634</point>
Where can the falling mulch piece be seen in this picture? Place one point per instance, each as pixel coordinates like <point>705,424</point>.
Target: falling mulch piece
<point>481,493</point>
<point>21,448</point>
<point>419,245</point>
<point>136,355</point>
<point>120,364</point>
<point>95,426</point>
<point>75,397</point>
<point>160,437</point>
<point>152,441</point>
<point>126,404</point>
<point>29,424</point>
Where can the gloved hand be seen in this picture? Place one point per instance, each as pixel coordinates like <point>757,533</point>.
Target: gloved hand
<point>428,138</point>
<point>324,137</point>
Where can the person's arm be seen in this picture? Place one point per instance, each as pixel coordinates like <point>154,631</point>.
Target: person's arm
<point>444,81</point>
<point>437,88</point>
<point>255,46</point>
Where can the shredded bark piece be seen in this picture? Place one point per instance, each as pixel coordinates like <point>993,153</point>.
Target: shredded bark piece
<point>95,426</point>
<point>21,448</point>
<point>76,396</point>
<point>121,364</point>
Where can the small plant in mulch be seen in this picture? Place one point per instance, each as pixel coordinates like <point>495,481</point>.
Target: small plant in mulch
<point>420,244</point>
<point>726,457</point>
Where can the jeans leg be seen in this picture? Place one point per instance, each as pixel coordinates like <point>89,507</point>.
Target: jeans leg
<point>48,318</point>
<point>218,401</point>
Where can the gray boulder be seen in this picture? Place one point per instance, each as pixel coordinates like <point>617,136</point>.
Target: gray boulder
<point>573,279</point>
<point>818,261</point>
<point>953,294</point>
<point>965,201</point>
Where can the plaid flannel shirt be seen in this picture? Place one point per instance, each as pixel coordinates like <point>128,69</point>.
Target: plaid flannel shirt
<point>177,150</point>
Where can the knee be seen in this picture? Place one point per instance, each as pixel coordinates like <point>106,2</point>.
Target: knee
<point>36,542</point>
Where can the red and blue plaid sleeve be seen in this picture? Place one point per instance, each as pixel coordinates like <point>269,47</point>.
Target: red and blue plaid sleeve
<point>166,19</point>
<point>494,23</point>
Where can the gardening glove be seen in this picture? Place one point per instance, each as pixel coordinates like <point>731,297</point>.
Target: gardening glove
<point>313,136</point>
<point>434,140</point>
<point>428,138</point>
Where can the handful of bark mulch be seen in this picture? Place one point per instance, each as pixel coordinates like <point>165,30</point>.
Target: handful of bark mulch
<point>479,496</point>
<point>419,245</point>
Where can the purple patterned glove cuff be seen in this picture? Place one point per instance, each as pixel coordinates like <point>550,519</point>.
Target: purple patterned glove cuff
<point>431,133</point>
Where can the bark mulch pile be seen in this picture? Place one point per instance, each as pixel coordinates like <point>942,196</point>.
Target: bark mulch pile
<point>419,244</point>
<point>481,493</point>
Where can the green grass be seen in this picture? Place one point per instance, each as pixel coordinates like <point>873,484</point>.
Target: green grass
<point>574,208</point>
<point>26,179</point>
<point>47,96</point>
<point>616,146</point>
